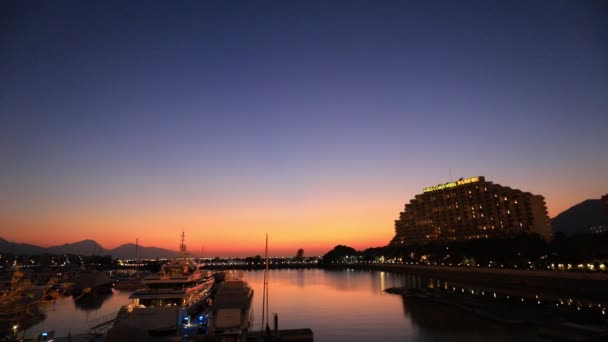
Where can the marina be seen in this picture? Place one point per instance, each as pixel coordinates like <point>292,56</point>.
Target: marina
<point>313,299</point>
<point>183,301</point>
<point>428,171</point>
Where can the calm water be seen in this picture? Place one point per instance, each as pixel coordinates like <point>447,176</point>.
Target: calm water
<point>336,305</point>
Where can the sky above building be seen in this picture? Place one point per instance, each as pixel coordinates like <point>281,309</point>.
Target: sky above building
<point>312,121</point>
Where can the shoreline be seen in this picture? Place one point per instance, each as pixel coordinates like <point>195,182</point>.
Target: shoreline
<point>563,322</point>
<point>590,286</point>
<point>558,284</point>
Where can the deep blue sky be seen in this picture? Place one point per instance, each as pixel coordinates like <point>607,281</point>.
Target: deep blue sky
<point>156,106</point>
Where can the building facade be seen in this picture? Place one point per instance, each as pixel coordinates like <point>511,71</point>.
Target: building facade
<point>605,202</point>
<point>471,208</point>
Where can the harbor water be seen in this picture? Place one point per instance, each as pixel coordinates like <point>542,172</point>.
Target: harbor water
<point>344,305</point>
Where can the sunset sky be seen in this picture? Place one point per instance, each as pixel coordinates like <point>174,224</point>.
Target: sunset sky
<point>314,122</point>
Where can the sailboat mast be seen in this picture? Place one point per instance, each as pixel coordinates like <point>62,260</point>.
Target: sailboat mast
<point>267,294</point>
<point>265,307</point>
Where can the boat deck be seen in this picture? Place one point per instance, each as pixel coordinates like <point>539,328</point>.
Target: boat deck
<point>148,318</point>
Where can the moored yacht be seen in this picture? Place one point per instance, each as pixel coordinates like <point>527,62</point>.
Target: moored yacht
<point>231,315</point>
<point>174,298</point>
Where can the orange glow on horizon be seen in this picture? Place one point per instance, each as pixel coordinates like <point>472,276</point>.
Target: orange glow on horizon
<point>314,225</point>
<point>316,228</point>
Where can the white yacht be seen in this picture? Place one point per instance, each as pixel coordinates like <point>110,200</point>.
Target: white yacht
<point>175,298</point>
<point>231,315</point>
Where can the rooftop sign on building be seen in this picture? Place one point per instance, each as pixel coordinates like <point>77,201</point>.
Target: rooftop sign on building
<point>451,184</point>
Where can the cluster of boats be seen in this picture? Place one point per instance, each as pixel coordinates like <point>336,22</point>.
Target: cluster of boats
<point>185,300</point>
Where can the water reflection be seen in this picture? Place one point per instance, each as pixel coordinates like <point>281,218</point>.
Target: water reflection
<point>445,323</point>
<point>350,305</point>
<point>344,305</point>
<point>300,279</point>
<point>64,316</point>
<point>91,302</point>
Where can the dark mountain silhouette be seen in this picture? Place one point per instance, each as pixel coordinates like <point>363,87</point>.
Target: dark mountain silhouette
<point>580,218</point>
<point>87,247</point>
<point>127,251</point>
<point>84,247</point>
<point>19,248</point>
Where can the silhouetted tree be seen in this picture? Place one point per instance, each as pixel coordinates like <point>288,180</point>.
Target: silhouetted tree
<point>339,253</point>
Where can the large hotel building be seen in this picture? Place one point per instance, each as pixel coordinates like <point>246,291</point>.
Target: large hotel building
<point>471,208</point>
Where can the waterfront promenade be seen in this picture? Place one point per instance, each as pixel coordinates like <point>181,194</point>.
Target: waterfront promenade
<point>558,284</point>
<point>550,283</point>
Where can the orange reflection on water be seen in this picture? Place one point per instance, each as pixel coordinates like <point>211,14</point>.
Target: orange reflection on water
<point>334,305</point>
<point>349,305</point>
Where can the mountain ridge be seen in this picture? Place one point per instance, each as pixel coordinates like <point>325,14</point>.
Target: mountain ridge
<point>580,218</point>
<point>87,247</point>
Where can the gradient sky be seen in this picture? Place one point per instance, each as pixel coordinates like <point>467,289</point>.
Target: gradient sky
<point>314,122</point>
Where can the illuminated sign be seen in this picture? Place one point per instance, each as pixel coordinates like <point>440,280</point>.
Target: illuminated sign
<point>451,184</point>
<point>468,180</point>
<point>440,187</point>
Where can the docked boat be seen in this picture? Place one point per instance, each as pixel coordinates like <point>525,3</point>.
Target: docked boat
<point>91,282</point>
<point>175,298</point>
<point>231,315</point>
<point>128,283</point>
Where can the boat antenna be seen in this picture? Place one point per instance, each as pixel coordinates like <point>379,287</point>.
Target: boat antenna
<point>182,246</point>
<point>265,308</point>
<point>136,254</point>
